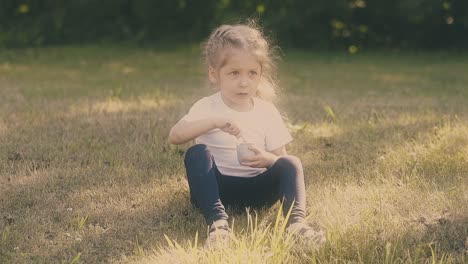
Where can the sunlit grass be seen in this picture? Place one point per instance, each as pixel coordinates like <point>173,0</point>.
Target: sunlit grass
<point>116,105</point>
<point>84,158</point>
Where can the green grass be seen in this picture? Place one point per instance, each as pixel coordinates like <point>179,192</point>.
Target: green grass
<point>87,175</point>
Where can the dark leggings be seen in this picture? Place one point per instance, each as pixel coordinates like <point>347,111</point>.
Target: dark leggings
<point>210,190</point>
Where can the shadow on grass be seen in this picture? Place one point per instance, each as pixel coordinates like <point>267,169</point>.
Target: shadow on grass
<point>81,180</point>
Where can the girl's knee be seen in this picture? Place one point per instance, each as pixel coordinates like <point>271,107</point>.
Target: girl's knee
<point>196,152</point>
<point>290,161</point>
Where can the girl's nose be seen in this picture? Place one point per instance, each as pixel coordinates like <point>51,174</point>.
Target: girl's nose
<point>244,82</point>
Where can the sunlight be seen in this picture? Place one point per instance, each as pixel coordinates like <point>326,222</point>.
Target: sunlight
<point>399,122</point>
<point>406,119</point>
<point>121,68</point>
<point>3,128</point>
<point>256,240</point>
<point>30,174</point>
<point>390,77</point>
<point>130,196</point>
<point>5,67</point>
<point>326,130</point>
<point>13,68</point>
<point>439,154</point>
<point>369,206</point>
<point>319,130</point>
<point>116,105</point>
<point>396,78</point>
<point>23,8</point>
<point>465,152</point>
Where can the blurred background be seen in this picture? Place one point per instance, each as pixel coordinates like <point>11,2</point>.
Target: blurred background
<point>352,25</point>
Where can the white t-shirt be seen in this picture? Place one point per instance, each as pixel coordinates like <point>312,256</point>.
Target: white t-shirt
<point>262,126</point>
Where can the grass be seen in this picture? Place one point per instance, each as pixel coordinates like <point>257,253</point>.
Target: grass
<point>87,175</point>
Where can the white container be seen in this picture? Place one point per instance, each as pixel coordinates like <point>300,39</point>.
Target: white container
<point>244,152</point>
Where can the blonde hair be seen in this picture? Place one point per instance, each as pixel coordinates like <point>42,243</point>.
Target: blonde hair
<point>247,37</point>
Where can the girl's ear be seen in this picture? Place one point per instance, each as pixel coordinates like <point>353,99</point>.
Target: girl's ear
<point>212,75</point>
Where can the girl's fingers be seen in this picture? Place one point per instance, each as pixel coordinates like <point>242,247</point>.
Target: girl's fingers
<point>255,150</point>
<point>230,131</point>
<point>235,131</point>
<point>252,159</point>
<point>226,126</point>
<point>250,164</point>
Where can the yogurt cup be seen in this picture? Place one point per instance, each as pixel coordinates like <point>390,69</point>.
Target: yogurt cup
<point>244,152</point>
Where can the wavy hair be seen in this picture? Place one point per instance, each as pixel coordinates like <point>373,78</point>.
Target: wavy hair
<point>249,37</point>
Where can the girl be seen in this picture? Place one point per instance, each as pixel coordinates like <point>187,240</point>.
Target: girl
<point>241,68</point>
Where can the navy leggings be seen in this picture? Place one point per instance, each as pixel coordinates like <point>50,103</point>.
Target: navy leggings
<point>210,190</point>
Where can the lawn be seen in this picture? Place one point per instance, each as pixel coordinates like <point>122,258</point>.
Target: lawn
<point>87,175</point>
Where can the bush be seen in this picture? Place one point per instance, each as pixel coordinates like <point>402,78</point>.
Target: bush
<point>304,24</point>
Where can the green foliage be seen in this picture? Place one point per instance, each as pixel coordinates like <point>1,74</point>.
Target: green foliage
<point>349,24</point>
<point>81,221</point>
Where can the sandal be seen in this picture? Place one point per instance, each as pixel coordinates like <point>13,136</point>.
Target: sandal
<point>312,237</point>
<point>219,234</point>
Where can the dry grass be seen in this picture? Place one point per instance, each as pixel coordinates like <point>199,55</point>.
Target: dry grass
<point>86,174</point>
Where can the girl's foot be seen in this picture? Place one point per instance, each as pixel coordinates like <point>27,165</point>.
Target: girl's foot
<point>219,234</point>
<point>312,237</point>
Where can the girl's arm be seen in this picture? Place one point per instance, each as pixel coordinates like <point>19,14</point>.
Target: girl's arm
<point>184,131</point>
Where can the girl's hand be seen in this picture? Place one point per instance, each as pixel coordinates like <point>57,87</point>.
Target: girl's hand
<point>228,126</point>
<point>262,159</point>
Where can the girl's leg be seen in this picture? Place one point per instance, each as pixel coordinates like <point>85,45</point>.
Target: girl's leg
<point>286,176</point>
<point>203,176</point>
<point>259,191</point>
<point>283,180</point>
<point>292,187</point>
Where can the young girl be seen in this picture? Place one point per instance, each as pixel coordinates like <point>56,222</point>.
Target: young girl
<point>241,68</point>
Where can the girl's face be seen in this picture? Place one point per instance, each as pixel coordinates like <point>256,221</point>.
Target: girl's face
<point>238,78</point>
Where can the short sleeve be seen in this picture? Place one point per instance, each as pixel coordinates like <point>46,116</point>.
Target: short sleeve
<point>199,110</point>
<point>277,134</point>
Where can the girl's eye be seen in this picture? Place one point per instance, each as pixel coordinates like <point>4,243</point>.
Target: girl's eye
<point>234,73</point>
<point>253,73</point>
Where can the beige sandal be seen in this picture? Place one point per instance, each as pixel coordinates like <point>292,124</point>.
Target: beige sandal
<point>219,234</point>
<point>312,237</point>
